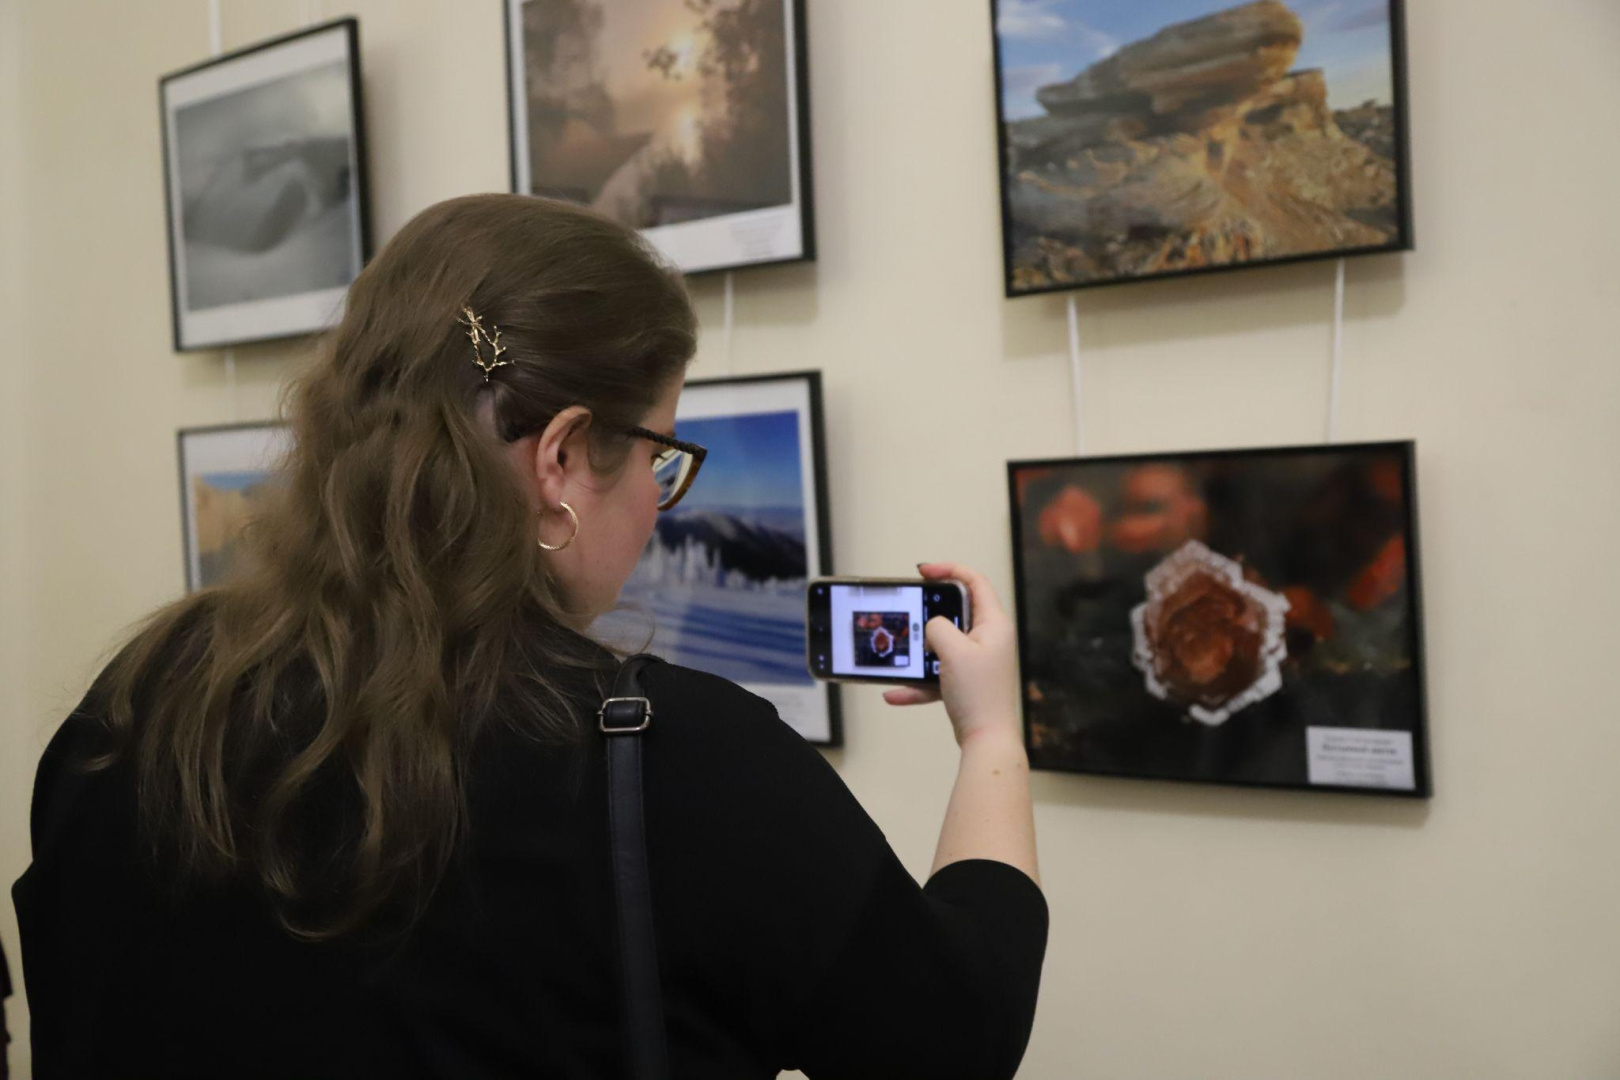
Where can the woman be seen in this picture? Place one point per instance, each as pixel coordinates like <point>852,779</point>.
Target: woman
<point>345,816</point>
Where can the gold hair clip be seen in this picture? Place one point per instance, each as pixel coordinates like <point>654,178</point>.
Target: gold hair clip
<point>480,338</point>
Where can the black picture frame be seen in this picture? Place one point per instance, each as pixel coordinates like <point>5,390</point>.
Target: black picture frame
<point>714,244</point>
<point>236,454</point>
<point>777,671</point>
<point>236,251</point>
<point>1402,237</point>
<point>1072,646</point>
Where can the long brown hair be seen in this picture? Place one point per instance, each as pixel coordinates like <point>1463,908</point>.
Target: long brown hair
<point>396,576</point>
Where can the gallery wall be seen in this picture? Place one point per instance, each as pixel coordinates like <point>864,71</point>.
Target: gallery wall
<point>18,748</point>
<point>1196,932</point>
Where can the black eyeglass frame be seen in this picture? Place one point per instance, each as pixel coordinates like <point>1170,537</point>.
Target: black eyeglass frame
<point>698,453</point>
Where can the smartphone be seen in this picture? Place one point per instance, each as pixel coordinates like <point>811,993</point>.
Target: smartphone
<point>871,629</point>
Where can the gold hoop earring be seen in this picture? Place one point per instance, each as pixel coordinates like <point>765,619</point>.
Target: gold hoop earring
<point>548,547</point>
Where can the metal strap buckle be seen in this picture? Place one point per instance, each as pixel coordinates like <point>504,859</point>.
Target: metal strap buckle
<point>644,712</point>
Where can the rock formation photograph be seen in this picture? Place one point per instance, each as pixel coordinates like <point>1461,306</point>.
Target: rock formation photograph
<point>1173,136</point>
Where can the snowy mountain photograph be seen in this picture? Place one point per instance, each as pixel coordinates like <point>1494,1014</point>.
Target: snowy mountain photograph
<point>721,584</point>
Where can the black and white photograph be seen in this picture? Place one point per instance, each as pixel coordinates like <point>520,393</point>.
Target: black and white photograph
<point>687,119</point>
<point>1245,617</point>
<point>264,156</point>
<point>721,586</point>
<point>1169,137</point>
<point>227,473</point>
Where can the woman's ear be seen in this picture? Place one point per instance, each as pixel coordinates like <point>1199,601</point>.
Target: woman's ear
<point>560,453</point>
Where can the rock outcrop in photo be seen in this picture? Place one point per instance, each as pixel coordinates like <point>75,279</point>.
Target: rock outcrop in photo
<point>1196,147</point>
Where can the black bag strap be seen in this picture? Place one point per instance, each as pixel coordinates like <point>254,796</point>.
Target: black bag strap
<point>623,718</point>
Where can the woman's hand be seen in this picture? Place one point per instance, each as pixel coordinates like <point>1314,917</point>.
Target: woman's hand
<point>978,670</point>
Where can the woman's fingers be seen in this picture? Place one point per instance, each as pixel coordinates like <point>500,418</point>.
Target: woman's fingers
<point>910,695</point>
<point>942,637</point>
<point>985,601</point>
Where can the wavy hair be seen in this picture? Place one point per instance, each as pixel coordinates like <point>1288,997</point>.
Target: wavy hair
<point>309,723</point>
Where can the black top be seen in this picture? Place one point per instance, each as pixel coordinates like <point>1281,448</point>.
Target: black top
<point>5,1032</point>
<point>789,935</point>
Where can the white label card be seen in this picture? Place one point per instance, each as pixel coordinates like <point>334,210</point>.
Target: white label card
<point>1357,757</point>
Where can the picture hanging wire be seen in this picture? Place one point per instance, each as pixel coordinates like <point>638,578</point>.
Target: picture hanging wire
<point>730,320</point>
<point>1075,381</point>
<point>216,45</point>
<point>230,381</point>
<point>216,39</point>
<point>1338,354</point>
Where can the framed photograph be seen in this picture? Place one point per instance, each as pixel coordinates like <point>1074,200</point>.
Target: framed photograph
<point>226,473</point>
<point>1240,617</point>
<point>721,586</point>
<point>1169,137</point>
<point>687,119</point>
<point>264,170</point>
<point>881,639</point>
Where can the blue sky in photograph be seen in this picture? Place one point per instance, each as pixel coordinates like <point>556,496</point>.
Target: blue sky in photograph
<point>233,481</point>
<point>753,461</point>
<point>1047,41</point>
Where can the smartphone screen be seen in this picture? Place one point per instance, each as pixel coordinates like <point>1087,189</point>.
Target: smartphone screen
<point>873,630</point>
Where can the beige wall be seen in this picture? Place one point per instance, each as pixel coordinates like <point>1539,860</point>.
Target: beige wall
<point>18,749</point>
<point>1196,932</point>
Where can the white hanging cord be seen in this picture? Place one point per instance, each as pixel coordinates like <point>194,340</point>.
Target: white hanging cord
<point>1338,354</point>
<point>230,381</point>
<point>1075,382</point>
<point>216,45</point>
<point>730,321</point>
<point>216,38</point>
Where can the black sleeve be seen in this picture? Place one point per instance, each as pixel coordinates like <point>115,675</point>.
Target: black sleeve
<point>935,982</point>
<point>59,900</point>
<point>5,1030</point>
<point>848,967</point>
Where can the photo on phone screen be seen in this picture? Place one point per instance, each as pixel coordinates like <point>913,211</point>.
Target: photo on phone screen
<point>873,630</point>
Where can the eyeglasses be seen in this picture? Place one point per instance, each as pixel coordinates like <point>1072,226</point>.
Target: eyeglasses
<point>675,467</point>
